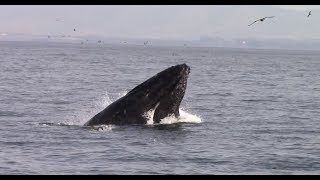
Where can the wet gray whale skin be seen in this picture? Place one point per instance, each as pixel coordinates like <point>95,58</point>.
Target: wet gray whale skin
<point>162,93</point>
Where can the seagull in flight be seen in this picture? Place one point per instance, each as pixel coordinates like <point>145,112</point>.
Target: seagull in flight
<point>309,14</point>
<point>262,19</point>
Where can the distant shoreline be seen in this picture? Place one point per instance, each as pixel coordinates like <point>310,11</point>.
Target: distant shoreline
<point>160,45</point>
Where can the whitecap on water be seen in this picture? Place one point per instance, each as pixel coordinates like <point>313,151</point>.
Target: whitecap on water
<point>185,117</point>
<point>103,128</point>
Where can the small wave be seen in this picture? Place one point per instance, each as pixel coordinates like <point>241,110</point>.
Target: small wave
<point>295,117</point>
<point>59,54</point>
<point>215,94</point>
<point>223,94</point>
<point>259,100</point>
<point>11,114</point>
<point>266,99</point>
<point>18,143</point>
<point>54,124</point>
<point>103,128</point>
<point>58,102</point>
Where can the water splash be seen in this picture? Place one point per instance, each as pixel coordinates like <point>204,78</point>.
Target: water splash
<point>149,115</point>
<point>185,117</point>
<point>121,94</point>
<point>103,128</point>
<point>104,101</point>
<point>83,116</point>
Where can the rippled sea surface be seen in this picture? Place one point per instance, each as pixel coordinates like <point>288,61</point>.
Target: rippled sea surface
<point>259,111</point>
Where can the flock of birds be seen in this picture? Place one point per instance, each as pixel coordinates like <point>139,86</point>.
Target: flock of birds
<point>262,19</point>
<point>146,42</point>
<point>82,42</point>
<point>74,30</point>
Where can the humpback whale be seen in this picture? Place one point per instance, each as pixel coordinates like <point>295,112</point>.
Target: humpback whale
<point>161,93</point>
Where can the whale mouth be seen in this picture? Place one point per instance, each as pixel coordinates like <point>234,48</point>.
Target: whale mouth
<point>161,94</point>
<point>169,102</point>
<point>150,114</point>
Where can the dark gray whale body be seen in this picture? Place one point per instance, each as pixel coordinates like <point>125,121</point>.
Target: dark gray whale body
<point>162,93</point>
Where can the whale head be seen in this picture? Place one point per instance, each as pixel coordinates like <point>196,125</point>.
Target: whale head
<point>161,93</point>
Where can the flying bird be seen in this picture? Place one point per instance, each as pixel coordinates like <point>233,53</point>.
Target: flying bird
<point>145,43</point>
<point>262,19</point>
<point>309,14</point>
<point>74,29</point>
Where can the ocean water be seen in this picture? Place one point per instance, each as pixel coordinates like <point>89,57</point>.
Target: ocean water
<point>245,111</point>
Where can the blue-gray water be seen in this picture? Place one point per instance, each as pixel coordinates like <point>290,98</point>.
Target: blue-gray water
<point>259,111</point>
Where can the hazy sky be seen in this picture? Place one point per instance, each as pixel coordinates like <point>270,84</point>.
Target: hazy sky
<point>186,22</point>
